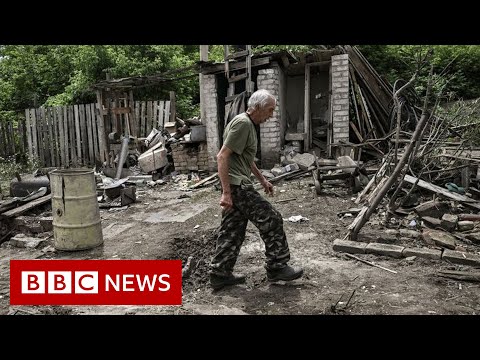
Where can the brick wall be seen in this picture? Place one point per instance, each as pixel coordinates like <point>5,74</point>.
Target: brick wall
<point>270,131</point>
<point>190,157</point>
<point>340,89</point>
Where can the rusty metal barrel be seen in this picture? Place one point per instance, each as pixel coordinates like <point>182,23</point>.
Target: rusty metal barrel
<point>76,215</point>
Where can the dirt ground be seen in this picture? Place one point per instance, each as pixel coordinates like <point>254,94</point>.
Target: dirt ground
<point>332,283</point>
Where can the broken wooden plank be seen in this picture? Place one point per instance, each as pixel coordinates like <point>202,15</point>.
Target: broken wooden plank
<point>398,169</point>
<point>202,182</point>
<point>471,217</point>
<point>21,209</point>
<point>369,263</point>
<point>216,68</point>
<point>460,275</point>
<point>459,157</point>
<point>380,90</point>
<point>377,177</point>
<point>285,200</point>
<point>290,174</point>
<point>439,190</point>
<point>237,78</point>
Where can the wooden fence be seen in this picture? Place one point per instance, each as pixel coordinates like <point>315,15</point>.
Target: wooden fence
<point>69,136</point>
<point>12,137</point>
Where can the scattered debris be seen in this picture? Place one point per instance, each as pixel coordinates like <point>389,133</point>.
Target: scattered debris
<point>297,218</point>
<point>369,263</point>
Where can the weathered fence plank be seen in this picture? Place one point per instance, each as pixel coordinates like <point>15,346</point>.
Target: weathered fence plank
<point>83,134</point>
<point>71,134</point>
<point>33,118</point>
<point>149,116</point>
<point>40,116</point>
<point>56,137</point>
<point>89,143</point>
<point>28,133</point>
<point>61,135</point>
<point>51,140</point>
<point>75,135</point>
<point>161,120</point>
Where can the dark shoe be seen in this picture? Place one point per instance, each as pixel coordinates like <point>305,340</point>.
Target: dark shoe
<point>218,282</point>
<point>287,273</point>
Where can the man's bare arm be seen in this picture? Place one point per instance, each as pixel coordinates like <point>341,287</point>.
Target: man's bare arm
<point>223,158</point>
<point>265,183</point>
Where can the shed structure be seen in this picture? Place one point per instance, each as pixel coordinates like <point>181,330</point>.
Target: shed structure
<point>326,99</point>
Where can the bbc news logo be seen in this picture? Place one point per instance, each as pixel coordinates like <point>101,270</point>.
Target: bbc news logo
<point>95,282</point>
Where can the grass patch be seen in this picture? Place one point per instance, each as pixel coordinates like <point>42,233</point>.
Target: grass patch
<point>9,167</point>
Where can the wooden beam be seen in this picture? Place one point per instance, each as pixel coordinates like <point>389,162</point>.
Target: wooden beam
<point>379,89</point>
<point>330,114</point>
<point>121,110</point>
<point>173,111</point>
<point>439,190</point>
<point>306,116</point>
<point>102,138</point>
<point>218,68</point>
<point>460,275</point>
<point>201,182</point>
<point>30,205</point>
<point>238,54</point>
<point>249,85</point>
<point>237,78</point>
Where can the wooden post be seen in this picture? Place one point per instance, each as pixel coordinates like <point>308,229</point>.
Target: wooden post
<point>248,65</point>
<point>133,116</point>
<point>226,52</point>
<point>77,136</point>
<point>306,119</point>
<point>203,57</point>
<point>28,133</point>
<point>102,139</point>
<point>173,113</point>
<point>330,114</point>
<point>465,176</point>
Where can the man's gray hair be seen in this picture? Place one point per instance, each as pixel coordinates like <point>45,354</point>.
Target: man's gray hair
<point>260,98</point>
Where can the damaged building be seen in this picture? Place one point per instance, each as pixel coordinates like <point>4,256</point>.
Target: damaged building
<point>314,94</point>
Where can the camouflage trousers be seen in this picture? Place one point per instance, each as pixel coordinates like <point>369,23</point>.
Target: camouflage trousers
<point>248,204</point>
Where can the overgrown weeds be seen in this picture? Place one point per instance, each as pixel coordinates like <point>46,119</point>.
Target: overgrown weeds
<point>11,165</point>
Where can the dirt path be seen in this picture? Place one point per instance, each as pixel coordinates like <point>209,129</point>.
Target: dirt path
<point>332,284</point>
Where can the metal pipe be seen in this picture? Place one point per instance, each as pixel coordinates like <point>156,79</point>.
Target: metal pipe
<point>123,156</point>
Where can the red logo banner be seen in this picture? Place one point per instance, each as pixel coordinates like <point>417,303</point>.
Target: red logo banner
<point>95,282</point>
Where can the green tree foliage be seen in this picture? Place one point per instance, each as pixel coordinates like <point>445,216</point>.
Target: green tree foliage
<point>459,66</point>
<point>48,75</point>
<point>30,74</point>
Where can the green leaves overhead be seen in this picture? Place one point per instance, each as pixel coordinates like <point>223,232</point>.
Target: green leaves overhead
<point>36,75</point>
<point>458,64</point>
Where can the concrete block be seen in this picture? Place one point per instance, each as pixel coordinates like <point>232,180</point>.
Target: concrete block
<point>352,247</point>
<point>426,253</point>
<point>433,208</point>
<point>439,238</point>
<point>22,241</point>
<point>385,249</point>
<point>449,222</point>
<point>460,257</point>
<point>304,160</point>
<point>465,225</point>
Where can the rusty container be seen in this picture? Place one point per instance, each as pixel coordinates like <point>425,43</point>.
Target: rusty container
<point>76,215</point>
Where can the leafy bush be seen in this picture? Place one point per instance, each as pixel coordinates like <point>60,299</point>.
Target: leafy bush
<point>9,166</point>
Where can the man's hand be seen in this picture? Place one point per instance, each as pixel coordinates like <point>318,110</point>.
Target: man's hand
<point>268,187</point>
<point>226,202</point>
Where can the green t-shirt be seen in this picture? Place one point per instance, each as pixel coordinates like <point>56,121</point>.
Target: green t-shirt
<point>240,136</point>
